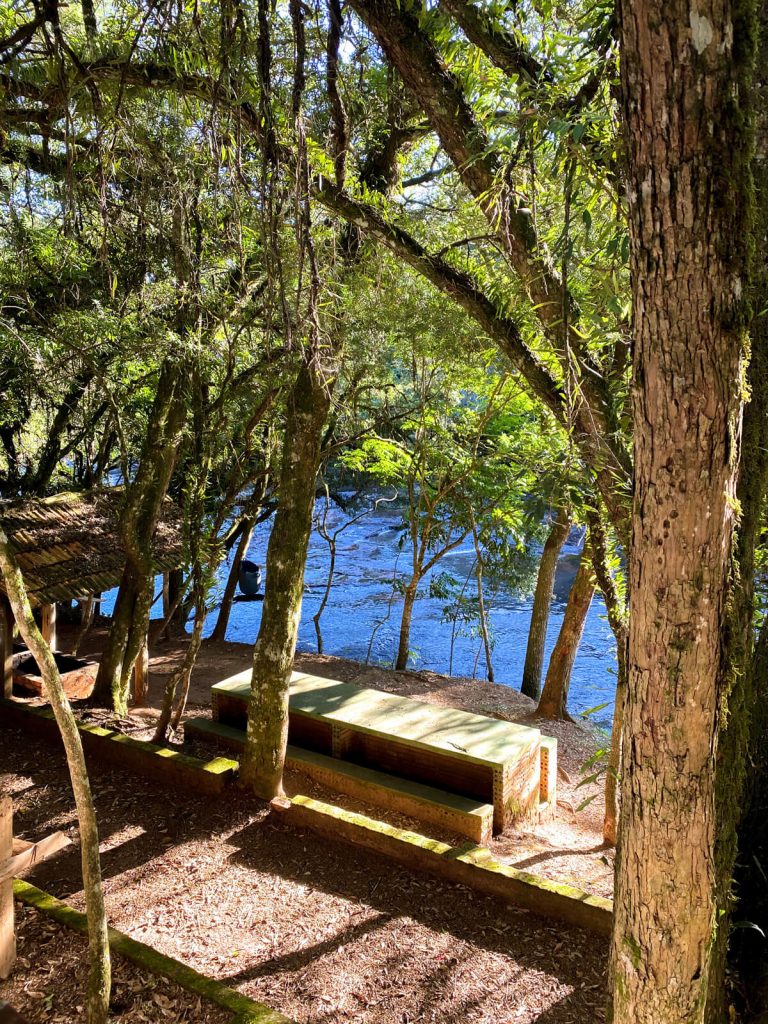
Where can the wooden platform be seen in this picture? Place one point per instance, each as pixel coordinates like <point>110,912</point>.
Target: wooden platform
<point>460,814</point>
<point>470,755</point>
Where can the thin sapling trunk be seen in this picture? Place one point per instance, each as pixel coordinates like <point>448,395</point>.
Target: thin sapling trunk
<point>99,980</point>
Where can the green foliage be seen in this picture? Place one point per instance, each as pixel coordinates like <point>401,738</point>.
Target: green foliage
<point>142,221</point>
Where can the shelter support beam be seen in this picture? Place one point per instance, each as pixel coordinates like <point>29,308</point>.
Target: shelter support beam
<point>6,646</point>
<point>7,939</point>
<point>141,675</point>
<point>48,625</point>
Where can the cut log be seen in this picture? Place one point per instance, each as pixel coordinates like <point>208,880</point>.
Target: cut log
<point>77,675</point>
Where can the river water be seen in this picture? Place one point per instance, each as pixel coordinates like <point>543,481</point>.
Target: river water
<point>362,617</point>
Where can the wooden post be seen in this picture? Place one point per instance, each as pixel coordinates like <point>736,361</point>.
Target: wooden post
<point>48,625</point>
<point>7,938</point>
<point>6,646</point>
<point>141,675</point>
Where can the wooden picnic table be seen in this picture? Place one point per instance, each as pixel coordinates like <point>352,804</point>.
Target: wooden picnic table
<point>492,760</point>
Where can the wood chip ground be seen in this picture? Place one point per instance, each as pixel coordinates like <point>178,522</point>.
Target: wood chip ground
<point>321,931</point>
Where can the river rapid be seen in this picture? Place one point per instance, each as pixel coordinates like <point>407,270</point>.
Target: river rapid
<point>362,618</point>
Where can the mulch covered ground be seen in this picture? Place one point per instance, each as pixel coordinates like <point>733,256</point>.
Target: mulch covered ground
<point>50,976</point>
<point>321,931</point>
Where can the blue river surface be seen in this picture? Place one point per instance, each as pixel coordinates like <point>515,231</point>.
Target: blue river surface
<point>368,556</point>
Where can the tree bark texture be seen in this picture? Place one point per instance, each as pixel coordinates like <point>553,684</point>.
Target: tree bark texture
<point>554,697</point>
<point>542,601</point>
<point>99,979</point>
<point>264,755</point>
<point>685,84</point>
<point>743,752</point>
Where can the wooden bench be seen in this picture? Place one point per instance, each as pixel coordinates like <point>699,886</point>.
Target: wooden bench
<point>485,759</point>
<point>460,814</point>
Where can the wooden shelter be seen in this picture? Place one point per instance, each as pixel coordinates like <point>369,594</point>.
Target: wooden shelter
<point>69,547</point>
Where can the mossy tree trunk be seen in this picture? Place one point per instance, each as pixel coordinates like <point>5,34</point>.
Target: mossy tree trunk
<point>181,676</point>
<point>742,763</point>
<point>554,697</point>
<point>481,609</point>
<point>686,88</point>
<point>141,509</point>
<point>542,602</point>
<point>617,618</point>
<point>99,979</point>
<point>264,755</point>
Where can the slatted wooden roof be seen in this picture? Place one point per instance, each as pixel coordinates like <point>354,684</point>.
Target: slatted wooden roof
<point>69,546</point>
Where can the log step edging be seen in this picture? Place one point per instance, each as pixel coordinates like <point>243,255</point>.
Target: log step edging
<point>468,864</point>
<point>162,764</point>
<point>246,1010</point>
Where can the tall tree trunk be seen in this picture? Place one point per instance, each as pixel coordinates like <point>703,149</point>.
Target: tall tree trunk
<point>182,674</point>
<point>554,697</point>
<point>253,513</point>
<point>225,609</point>
<point>99,979</point>
<point>542,601</point>
<point>326,592</point>
<point>751,888</point>
<point>143,502</point>
<point>743,750</point>
<point>404,641</point>
<point>176,588</point>
<point>87,611</point>
<point>617,618</point>
<point>686,84</point>
<point>613,772</point>
<point>481,612</point>
<point>264,755</point>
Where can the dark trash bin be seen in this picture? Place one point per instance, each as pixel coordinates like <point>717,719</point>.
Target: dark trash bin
<point>249,579</point>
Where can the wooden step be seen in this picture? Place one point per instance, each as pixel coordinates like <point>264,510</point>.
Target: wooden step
<point>207,730</point>
<point>459,814</point>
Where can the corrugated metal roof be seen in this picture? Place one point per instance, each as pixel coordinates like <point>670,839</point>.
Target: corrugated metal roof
<point>69,546</point>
